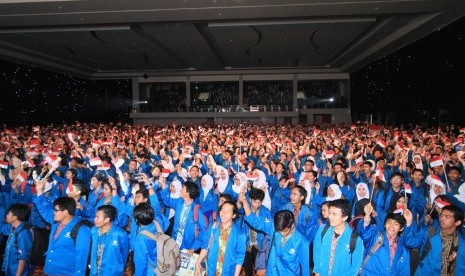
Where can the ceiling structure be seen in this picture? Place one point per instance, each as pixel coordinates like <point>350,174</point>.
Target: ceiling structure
<point>121,38</point>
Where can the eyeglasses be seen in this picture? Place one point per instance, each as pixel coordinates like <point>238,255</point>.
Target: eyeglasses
<point>57,210</point>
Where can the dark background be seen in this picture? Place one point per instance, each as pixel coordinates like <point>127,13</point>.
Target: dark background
<point>410,85</point>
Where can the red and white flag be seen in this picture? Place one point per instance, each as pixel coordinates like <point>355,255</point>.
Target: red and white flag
<point>436,161</point>
<point>95,161</point>
<point>118,162</point>
<point>433,179</point>
<point>382,143</point>
<point>22,176</point>
<point>329,154</point>
<point>407,188</point>
<point>359,161</point>
<point>379,174</point>
<point>441,203</point>
<point>104,167</point>
<point>165,172</point>
<point>4,164</point>
<point>399,211</point>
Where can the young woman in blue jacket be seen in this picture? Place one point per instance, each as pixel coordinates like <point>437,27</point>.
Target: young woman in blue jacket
<point>224,245</point>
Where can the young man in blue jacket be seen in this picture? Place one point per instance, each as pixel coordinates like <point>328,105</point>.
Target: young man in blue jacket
<point>109,244</point>
<point>443,253</point>
<point>65,256</point>
<point>19,244</point>
<point>331,250</point>
<point>188,231</point>
<point>145,249</point>
<point>387,249</point>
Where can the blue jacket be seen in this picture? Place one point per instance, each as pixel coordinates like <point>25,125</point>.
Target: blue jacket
<point>145,252</point>
<point>13,254</point>
<point>379,262</point>
<point>115,252</point>
<point>307,221</point>
<point>127,209</point>
<point>431,264</point>
<point>64,257</point>
<point>190,240</point>
<point>235,249</point>
<point>344,263</point>
<point>290,259</point>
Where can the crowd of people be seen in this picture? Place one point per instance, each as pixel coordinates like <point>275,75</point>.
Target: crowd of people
<point>219,94</point>
<point>268,93</point>
<point>250,199</point>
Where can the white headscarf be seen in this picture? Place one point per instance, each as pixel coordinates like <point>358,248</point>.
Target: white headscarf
<point>242,181</point>
<point>259,184</point>
<point>432,194</point>
<point>418,165</point>
<point>168,164</point>
<point>208,185</point>
<point>367,195</point>
<point>337,192</point>
<point>177,186</point>
<point>222,183</point>
<point>461,195</point>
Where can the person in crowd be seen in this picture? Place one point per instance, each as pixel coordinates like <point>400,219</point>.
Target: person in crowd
<point>65,255</point>
<point>225,247</point>
<point>109,244</point>
<point>19,243</point>
<point>289,253</point>
<point>330,253</point>
<point>145,249</point>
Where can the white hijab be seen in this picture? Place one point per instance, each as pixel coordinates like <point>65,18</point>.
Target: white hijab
<point>168,164</point>
<point>367,195</point>
<point>461,195</point>
<point>337,192</point>
<point>261,183</point>
<point>222,183</point>
<point>418,165</point>
<point>208,185</point>
<point>242,181</point>
<point>177,193</point>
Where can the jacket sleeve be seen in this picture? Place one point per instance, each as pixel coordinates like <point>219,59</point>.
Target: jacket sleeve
<point>166,198</point>
<point>266,226</point>
<point>82,250</point>
<point>369,234</point>
<point>303,258</point>
<point>317,250</point>
<point>44,207</point>
<point>202,224</point>
<point>240,247</point>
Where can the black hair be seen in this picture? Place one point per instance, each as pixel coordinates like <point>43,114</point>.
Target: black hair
<point>283,219</point>
<point>399,174</point>
<point>78,160</point>
<point>226,196</point>
<point>368,163</point>
<point>234,208</point>
<point>143,214</point>
<point>192,189</point>
<point>342,204</point>
<point>397,217</point>
<point>417,170</point>
<point>458,213</point>
<point>100,177</point>
<point>257,194</point>
<point>143,191</point>
<point>73,172</point>
<point>66,203</point>
<point>108,184</point>
<point>19,210</point>
<point>455,168</point>
<point>302,192</point>
<point>108,211</point>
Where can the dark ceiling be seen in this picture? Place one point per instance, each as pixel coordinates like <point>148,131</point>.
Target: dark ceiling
<point>114,39</point>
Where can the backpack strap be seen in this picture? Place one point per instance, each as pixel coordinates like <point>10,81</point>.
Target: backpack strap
<point>325,230</point>
<point>149,234</point>
<point>352,243</point>
<point>427,248</point>
<point>77,226</point>
<point>157,226</point>
<point>25,227</point>
<point>379,242</point>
